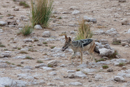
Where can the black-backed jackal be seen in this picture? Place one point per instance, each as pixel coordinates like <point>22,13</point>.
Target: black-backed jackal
<point>79,46</point>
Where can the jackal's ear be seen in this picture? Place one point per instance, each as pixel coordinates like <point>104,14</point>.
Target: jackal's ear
<point>65,37</point>
<point>69,39</point>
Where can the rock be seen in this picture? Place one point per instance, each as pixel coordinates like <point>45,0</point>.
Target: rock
<point>52,63</point>
<point>53,73</point>
<point>99,31</point>
<point>125,21</point>
<point>122,0</point>
<point>128,31</point>
<point>16,9</point>
<point>1,30</point>
<point>46,34</point>
<point>72,32</point>
<point>10,17</point>
<point>112,32</point>
<point>25,76</point>
<point>62,65</point>
<point>75,12</point>
<point>118,61</point>
<point>128,71</point>
<point>82,65</point>
<point>40,65</point>
<point>73,8</point>
<point>106,52</point>
<point>116,41</point>
<point>89,19</point>
<point>47,68</point>
<point>124,43</point>
<point>98,77</point>
<point>21,83</point>
<point>87,70</point>
<point>109,70</point>
<point>7,54</point>
<point>76,84</point>
<point>38,27</point>
<point>71,71</point>
<point>6,81</point>
<point>80,74</point>
<point>1,56</point>
<point>71,75</point>
<point>2,23</point>
<point>20,57</point>
<point>28,40</point>
<point>119,79</point>
<point>3,65</point>
<point>51,84</point>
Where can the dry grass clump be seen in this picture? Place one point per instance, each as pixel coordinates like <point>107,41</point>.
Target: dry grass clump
<point>41,12</point>
<point>84,31</point>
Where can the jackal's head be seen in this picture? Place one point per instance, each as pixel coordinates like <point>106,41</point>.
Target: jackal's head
<point>67,43</point>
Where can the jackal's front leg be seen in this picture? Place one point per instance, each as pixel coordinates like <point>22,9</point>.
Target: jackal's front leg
<point>72,57</point>
<point>81,56</point>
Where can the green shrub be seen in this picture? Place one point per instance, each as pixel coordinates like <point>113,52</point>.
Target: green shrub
<point>23,3</point>
<point>41,12</point>
<point>84,31</point>
<point>27,30</point>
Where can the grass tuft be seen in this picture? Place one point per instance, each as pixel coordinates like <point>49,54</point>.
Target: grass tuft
<point>121,64</point>
<point>23,52</point>
<point>23,3</point>
<point>105,67</point>
<point>27,30</point>
<point>41,12</point>
<point>1,45</point>
<point>84,31</point>
<point>39,61</point>
<point>28,57</point>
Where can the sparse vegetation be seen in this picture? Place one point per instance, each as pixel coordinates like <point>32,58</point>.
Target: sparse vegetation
<point>50,65</point>
<point>117,42</point>
<point>39,61</point>
<point>19,48</point>
<point>113,55</point>
<point>105,67</point>
<point>41,12</point>
<point>8,62</point>
<point>27,30</point>
<point>77,69</point>
<point>99,60</point>
<point>23,52</point>
<point>84,31</point>
<point>19,65</point>
<point>44,42</point>
<point>1,45</point>
<point>52,47</point>
<point>121,64</point>
<point>28,57</point>
<point>32,50</point>
<point>23,3</point>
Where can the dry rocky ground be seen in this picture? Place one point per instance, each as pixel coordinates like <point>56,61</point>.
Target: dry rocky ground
<point>37,60</point>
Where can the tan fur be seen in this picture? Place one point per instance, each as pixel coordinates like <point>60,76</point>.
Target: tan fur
<point>90,47</point>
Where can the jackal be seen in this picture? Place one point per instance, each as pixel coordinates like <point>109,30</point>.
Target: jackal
<point>79,46</point>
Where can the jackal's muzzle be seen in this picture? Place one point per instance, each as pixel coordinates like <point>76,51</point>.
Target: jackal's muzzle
<point>64,48</point>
